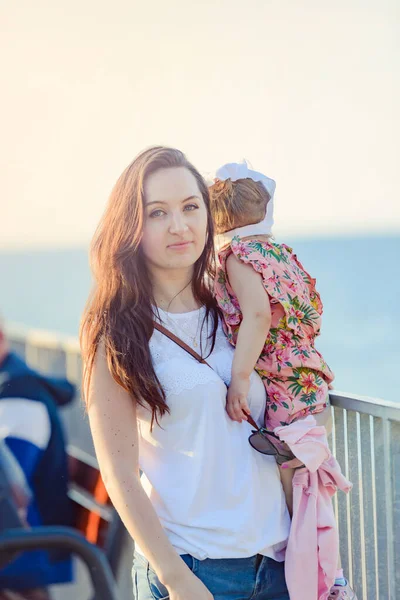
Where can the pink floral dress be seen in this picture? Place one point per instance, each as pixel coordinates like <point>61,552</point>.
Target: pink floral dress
<point>294,373</point>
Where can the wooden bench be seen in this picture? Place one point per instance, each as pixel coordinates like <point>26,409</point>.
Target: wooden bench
<point>94,515</point>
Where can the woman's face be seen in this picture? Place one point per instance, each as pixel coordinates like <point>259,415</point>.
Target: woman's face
<point>175,220</point>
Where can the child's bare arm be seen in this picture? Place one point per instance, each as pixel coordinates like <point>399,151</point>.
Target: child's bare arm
<point>255,307</point>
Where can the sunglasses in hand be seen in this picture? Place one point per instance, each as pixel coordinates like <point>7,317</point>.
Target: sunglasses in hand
<point>267,442</point>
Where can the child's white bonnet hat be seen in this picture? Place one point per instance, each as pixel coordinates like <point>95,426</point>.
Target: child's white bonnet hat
<point>235,171</point>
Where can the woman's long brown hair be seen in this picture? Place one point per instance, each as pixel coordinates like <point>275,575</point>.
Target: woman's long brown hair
<point>119,310</point>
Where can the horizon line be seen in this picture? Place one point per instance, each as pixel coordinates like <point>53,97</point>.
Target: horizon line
<point>357,234</point>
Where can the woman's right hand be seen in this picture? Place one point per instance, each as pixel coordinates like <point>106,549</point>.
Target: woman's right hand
<point>189,586</point>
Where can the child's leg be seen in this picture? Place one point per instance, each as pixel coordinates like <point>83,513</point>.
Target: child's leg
<point>286,479</point>
<point>277,414</point>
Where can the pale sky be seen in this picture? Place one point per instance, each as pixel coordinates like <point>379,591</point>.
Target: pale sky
<point>307,91</point>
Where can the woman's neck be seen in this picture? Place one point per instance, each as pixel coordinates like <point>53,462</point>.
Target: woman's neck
<point>172,291</point>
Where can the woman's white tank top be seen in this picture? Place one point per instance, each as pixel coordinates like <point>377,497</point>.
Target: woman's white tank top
<point>215,496</point>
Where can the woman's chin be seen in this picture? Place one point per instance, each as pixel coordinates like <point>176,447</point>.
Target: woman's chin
<point>183,261</point>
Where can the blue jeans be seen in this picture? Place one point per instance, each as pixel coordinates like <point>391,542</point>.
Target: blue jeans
<point>255,578</point>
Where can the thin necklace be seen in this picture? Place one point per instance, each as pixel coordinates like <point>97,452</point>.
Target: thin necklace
<point>193,338</point>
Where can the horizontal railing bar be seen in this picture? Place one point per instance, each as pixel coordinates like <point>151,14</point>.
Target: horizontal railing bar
<point>42,339</point>
<point>365,405</point>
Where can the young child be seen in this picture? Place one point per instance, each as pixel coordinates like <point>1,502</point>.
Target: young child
<point>272,312</point>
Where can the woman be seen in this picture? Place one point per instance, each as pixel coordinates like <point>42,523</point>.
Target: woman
<point>209,517</point>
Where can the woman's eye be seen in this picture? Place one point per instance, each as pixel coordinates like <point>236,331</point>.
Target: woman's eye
<point>159,212</point>
<point>156,213</point>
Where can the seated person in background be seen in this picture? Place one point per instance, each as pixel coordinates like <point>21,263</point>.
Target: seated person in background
<point>31,428</point>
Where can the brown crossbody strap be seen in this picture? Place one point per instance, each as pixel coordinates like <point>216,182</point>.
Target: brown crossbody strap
<point>180,343</point>
<point>196,355</point>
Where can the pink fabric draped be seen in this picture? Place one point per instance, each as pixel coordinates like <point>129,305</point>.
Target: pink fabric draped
<point>313,545</point>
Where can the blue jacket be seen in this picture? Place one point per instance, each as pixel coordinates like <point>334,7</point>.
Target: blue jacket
<point>32,429</point>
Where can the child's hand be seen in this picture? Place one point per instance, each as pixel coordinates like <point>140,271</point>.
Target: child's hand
<point>236,402</point>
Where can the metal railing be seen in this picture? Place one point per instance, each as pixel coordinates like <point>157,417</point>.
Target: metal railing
<point>365,441</point>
